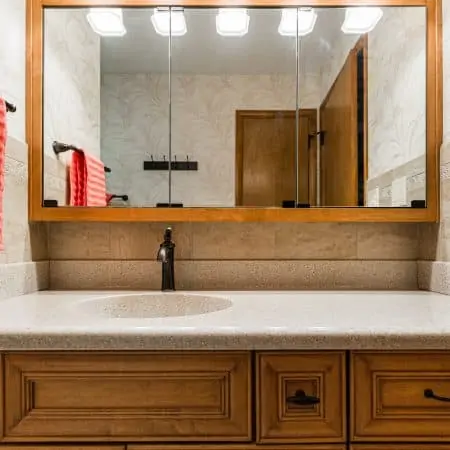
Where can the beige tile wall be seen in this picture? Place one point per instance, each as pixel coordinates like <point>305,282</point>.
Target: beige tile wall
<point>434,239</point>
<point>236,256</point>
<point>24,261</point>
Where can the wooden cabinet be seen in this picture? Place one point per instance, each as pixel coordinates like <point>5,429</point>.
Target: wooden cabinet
<point>399,447</point>
<point>301,397</point>
<point>127,397</point>
<point>400,396</point>
<point>239,447</point>
<point>63,447</point>
<point>163,401</point>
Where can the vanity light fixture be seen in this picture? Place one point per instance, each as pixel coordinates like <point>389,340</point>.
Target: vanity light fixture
<point>361,19</point>
<point>298,22</point>
<point>161,21</point>
<point>232,22</point>
<point>107,21</point>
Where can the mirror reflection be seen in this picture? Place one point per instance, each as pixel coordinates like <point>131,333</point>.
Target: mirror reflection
<point>235,107</point>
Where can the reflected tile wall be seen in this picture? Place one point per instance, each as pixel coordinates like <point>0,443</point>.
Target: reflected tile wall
<point>135,126</point>
<point>71,93</point>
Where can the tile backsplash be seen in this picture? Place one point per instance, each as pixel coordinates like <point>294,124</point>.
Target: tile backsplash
<point>236,256</point>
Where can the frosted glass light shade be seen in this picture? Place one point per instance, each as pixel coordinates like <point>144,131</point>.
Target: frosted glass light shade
<point>297,22</point>
<point>107,21</point>
<point>232,22</point>
<point>161,22</point>
<point>361,19</point>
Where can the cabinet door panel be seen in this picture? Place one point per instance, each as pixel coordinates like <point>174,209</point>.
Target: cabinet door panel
<point>283,415</point>
<point>127,396</point>
<point>389,400</point>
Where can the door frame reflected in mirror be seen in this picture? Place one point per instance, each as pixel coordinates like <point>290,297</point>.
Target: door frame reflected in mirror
<point>434,127</point>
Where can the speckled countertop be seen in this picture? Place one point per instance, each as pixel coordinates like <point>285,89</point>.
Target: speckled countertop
<point>254,321</point>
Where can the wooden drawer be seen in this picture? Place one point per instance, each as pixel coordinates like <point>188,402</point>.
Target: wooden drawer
<point>251,446</point>
<point>62,447</point>
<point>399,447</point>
<point>127,397</point>
<point>280,417</point>
<point>388,401</point>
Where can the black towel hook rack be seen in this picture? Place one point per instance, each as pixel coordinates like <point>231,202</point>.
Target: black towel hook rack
<point>10,107</point>
<point>59,147</point>
<point>124,198</point>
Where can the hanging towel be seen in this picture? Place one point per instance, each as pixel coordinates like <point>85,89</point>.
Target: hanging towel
<point>3,138</point>
<point>87,180</point>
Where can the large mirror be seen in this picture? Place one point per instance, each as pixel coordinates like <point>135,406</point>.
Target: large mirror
<point>268,107</point>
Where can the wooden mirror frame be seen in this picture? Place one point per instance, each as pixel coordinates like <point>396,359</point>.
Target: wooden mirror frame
<point>200,214</point>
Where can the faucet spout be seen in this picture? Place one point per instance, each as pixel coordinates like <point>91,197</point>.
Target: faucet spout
<point>166,255</point>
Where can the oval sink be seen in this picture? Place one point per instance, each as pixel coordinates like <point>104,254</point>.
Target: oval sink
<point>146,306</point>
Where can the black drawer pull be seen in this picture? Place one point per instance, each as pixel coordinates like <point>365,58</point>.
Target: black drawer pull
<point>428,393</point>
<point>300,398</point>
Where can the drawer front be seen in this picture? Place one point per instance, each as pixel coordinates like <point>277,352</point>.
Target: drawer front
<point>389,400</point>
<point>399,447</point>
<point>62,447</point>
<point>243,447</point>
<point>118,397</point>
<point>301,397</point>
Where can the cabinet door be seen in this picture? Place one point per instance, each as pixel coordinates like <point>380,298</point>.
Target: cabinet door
<point>402,397</point>
<point>301,397</point>
<point>127,397</point>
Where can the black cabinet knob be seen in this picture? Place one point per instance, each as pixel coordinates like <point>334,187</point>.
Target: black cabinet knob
<point>300,398</point>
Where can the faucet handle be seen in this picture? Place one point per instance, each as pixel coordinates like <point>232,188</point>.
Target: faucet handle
<point>168,234</point>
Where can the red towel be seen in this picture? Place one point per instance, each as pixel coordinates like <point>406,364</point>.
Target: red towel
<point>87,180</point>
<point>3,138</point>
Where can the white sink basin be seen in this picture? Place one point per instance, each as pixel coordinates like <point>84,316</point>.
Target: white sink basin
<point>143,306</point>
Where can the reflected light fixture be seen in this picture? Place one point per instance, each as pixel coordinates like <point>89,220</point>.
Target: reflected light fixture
<point>161,21</point>
<point>361,19</point>
<point>107,21</point>
<point>300,24</point>
<point>232,22</point>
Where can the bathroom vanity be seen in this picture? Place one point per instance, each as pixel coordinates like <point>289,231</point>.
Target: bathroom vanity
<point>361,369</point>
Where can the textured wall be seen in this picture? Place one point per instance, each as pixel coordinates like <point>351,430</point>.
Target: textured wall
<point>217,255</point>
<point>24,260</point>
<point>12,62</point>
<point>396,102</point>
<point>397,89</point>
<point>71,91</point>
<point>135,125</point>
<point>434,269</point>
<point>397,105</point>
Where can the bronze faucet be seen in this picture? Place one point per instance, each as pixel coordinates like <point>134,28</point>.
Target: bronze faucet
<point>166,255</point>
